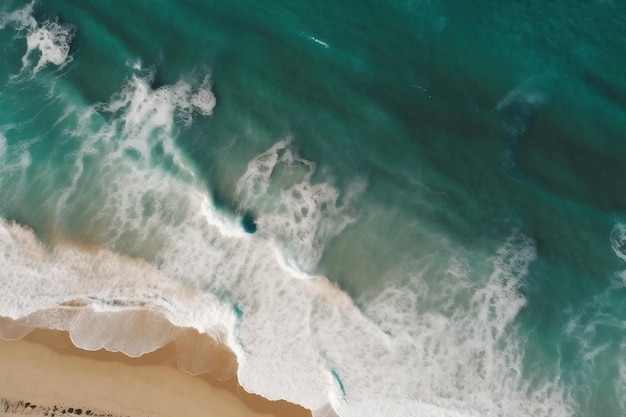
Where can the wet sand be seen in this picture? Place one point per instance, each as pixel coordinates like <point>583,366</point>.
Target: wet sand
<point>45,375</point>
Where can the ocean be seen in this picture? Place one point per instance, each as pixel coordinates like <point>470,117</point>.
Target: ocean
<point>384,208</point>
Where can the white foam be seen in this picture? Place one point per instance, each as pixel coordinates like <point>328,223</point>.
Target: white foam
<point>415,352</point>
<point>146,108</point>
<point>453,360</point>
<point>319,42</point>
<point>68,274</point>
<point>122,195</point>
<point>132,167</point>
<point>53,41</point>
<point>181,232</point>
<point>50,39</point>
<point>301,340</point>
<point>137,65</point>
<point>122,189</point>
<point>587,329</point>
<point>297,214</point>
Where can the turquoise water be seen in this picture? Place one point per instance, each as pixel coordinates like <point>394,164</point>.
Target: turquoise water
<point>454,168</point>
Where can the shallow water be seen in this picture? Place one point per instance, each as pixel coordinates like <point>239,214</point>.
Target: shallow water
<point>387,208</point>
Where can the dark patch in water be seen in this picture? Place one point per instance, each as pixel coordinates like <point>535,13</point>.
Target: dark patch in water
<point>158,81</point>
<point>238,311</point>
<point>133,154</point>
<point>336,376</point>
<point>248,222</point>
<point>220,202</point>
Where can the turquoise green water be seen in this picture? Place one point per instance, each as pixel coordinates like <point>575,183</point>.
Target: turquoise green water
<point>455,167</point>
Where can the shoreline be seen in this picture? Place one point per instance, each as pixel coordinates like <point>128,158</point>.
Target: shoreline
<point>45,370</point>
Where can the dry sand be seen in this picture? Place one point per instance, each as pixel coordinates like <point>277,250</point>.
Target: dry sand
<point>45,375</point>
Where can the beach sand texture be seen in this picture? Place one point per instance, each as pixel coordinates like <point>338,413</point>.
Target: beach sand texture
<point>45,375</point>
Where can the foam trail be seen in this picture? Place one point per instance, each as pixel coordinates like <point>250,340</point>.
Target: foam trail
<point>319,42</point>
<point>517,109</point>
<point>518,105</point>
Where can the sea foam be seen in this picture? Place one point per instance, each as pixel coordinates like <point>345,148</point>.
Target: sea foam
<point>50,39</point>
<point>457,337</point>
<point>128,189</point>
<point>300,340</point>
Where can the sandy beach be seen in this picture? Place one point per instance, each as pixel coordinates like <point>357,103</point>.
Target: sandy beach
<point>45,375</point>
